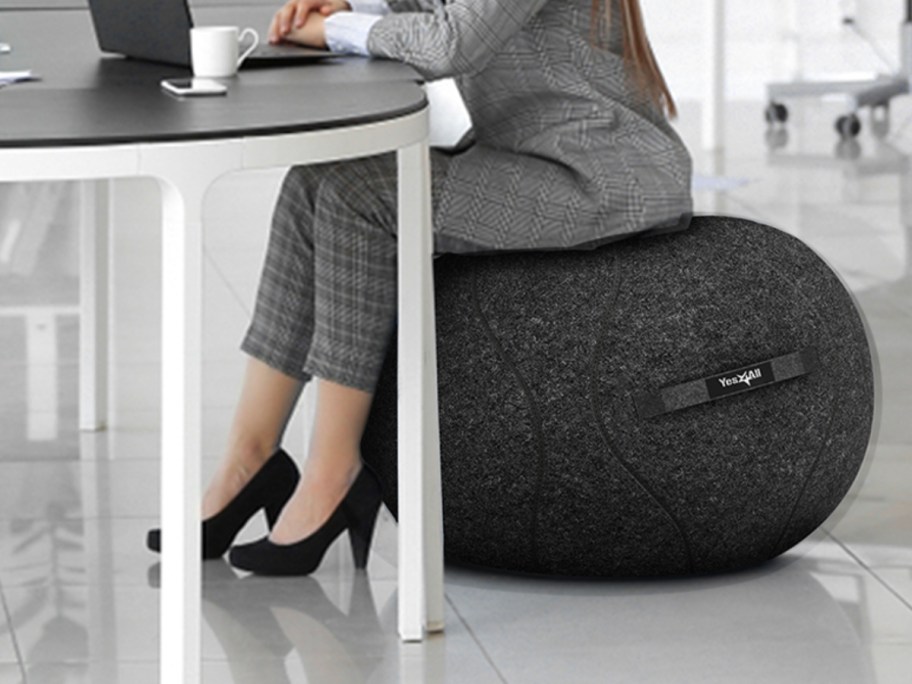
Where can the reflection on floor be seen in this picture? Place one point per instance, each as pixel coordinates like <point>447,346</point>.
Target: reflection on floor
<point>79,591</point>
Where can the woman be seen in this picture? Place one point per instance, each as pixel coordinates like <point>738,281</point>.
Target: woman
<point>572,149</point>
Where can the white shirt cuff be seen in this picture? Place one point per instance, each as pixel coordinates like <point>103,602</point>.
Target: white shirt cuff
<point>369,6</point>
<point>346,32</point>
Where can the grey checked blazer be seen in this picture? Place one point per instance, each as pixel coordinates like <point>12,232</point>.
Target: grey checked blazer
<point>566,153</point>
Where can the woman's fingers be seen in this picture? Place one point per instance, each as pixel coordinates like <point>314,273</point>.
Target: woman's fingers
<point>293,15</point>
<point>299,16</point>
<point>277,28</point>
<point>305,7</point>
<point>290,16</point>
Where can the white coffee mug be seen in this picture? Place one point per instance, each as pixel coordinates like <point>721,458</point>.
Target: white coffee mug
<point>214,50</point>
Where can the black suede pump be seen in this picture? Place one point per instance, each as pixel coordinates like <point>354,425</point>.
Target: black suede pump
<point>357,513</point>
<point>269,489</point>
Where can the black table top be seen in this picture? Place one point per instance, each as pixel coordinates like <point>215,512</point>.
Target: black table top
<point>86,98</point>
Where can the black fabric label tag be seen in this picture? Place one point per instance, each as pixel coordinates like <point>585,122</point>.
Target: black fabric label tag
<point>740,380</point>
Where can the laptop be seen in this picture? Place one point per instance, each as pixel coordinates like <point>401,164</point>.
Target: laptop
<point>159,31</point>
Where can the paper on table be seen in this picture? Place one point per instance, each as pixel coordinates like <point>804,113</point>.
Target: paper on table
<point>7,77</point>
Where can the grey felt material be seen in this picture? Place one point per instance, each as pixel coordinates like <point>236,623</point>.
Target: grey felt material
<point>547,466</point>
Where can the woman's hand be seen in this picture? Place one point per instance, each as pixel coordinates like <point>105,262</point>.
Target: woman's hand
<point>294,15</point>
<point>311,34</point>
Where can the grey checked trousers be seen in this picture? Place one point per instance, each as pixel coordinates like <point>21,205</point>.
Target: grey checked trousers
<point>326,304</point>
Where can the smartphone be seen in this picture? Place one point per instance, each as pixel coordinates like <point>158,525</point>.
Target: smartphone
<point>193,86</point>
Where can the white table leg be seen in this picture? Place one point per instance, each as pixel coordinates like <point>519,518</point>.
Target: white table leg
<point>184,176</point>
<point>94,227</point>
<point>180,443</point>
<point>714,100</point>
<point>420,519</point>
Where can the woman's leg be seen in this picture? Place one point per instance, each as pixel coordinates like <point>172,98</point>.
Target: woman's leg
<point>279,338</point>
<point>354,314</point>
<point>277,341</point>
<point>355,300</point>
<point>326,307</point>
<point>267,400</point>
<point>333,461</point>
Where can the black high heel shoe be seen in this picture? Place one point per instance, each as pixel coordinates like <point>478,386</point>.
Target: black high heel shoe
<point>357,513</point>
<point>269,489</point>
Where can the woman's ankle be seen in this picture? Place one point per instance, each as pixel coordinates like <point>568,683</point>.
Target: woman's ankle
<point>335,466</point>
<point>241,462</point>
<point>248,453</point>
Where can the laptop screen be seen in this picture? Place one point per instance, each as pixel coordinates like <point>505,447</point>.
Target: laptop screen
<point>157,30</point>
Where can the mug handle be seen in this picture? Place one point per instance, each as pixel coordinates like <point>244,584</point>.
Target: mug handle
<point>256,41</point>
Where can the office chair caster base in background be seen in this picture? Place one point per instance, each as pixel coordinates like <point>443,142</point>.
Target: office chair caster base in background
<point>875,92</point>
<point>848,126</point>
<point>776,112</point>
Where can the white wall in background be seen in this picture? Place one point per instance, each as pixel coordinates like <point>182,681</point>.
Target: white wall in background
<point>770,40</point>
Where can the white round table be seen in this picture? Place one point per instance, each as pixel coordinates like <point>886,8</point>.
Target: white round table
<point>92,119</point>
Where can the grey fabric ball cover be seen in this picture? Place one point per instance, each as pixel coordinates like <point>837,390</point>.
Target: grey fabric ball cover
<point>560,451</point>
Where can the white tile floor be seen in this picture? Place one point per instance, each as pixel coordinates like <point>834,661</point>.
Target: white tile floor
<point>78,590</point>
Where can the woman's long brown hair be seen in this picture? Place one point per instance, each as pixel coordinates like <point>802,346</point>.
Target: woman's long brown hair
<point>637,54</point>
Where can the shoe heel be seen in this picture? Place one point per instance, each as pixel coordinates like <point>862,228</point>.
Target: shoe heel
<point>360,534</point>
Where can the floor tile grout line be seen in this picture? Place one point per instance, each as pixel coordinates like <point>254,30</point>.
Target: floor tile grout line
<point>16,648</point>
<point>227,283</point>
<point>477,641</point>
<point>870,570</point>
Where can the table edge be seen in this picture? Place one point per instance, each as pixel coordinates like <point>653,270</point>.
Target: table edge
<point>225,134</point>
